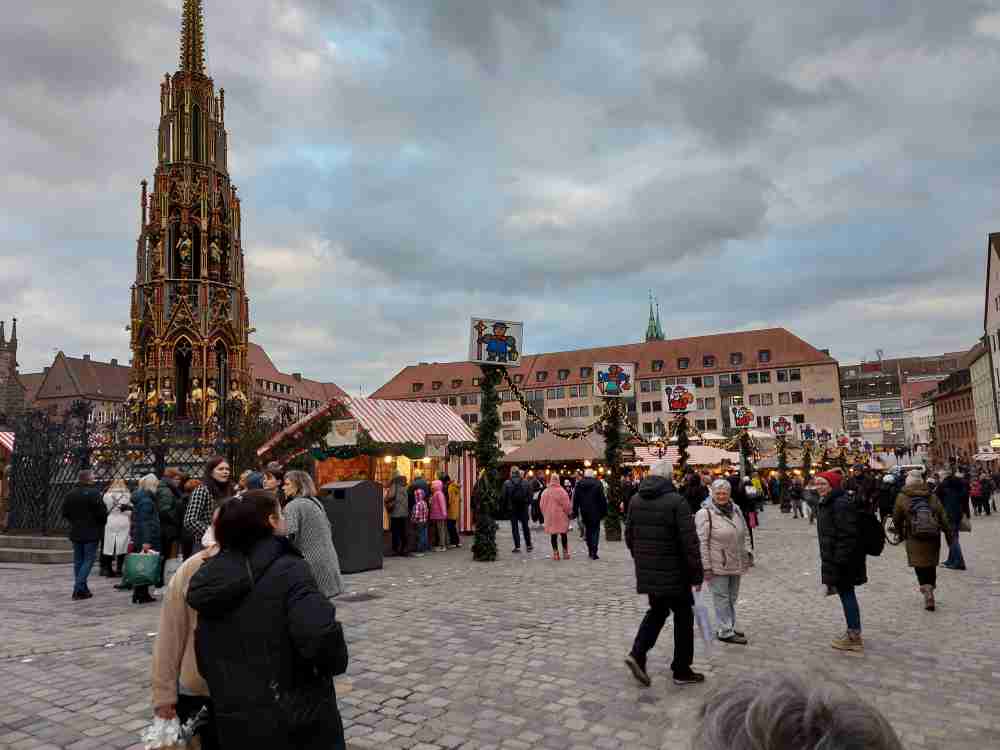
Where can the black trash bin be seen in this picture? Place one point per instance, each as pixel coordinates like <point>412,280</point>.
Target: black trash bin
<point>355,512</point>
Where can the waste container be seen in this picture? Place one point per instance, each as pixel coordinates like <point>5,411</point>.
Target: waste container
<point>355,512</point>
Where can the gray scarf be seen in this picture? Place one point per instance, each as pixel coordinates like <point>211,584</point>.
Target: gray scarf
<point>726,510</point>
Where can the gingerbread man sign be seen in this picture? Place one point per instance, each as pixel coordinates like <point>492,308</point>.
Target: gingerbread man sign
<point>679,398</point>
<point>743,418</point>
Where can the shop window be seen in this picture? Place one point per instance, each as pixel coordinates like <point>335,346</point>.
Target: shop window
<point>456,383</point>
<point>736,359</point>
<point>683,363</point>
<point>712,424</point>
<point>657,365</point>
<point>708,361</point>
<point>764,355</point>
<point>541,376</point>
<point>586,372</point>
<point>564,374</point>
<point>417,387</point>
<point>436,385</point>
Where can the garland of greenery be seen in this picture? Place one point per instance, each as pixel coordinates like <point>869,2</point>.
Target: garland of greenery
<point>487,491</point>
<point>782,467</point>
<point>681,432</point>
<point>842,460</point>
<point>613,458</point>
<point>807,461</point>
<point>747,450</point>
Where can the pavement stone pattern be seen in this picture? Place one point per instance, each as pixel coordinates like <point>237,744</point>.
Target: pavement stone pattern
<point>526,653</point>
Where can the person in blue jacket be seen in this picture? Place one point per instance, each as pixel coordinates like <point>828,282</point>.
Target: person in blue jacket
<point>145,530</point>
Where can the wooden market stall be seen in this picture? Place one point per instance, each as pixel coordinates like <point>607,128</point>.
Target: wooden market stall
<point>701,456</point>
<point>548,453</point>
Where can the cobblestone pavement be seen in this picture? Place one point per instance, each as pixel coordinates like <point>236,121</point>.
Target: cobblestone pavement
<point>527,652</point>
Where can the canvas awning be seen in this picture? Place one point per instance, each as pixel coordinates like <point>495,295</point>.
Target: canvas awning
<point>548,448</point>
<point>389,421</point>
<point>7,442</point>
<point>698,455</point>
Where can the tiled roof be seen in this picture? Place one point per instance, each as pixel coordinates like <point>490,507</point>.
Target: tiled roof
<point>31,381</point>
<point>87,378</point>
<point>786,350</point>
<point>263,367</point>
<point>549,448</point>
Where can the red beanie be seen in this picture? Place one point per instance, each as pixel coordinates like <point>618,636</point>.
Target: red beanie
<point>833,478</point>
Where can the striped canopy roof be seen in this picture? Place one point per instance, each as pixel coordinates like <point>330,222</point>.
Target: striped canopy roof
<point>698,455</point>
<point>7,441</point>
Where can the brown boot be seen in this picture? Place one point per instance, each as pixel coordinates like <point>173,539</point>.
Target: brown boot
<point>850,641</point>
<point>928,591</point>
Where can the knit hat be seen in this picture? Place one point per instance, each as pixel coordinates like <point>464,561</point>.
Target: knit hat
<point>833,478</point>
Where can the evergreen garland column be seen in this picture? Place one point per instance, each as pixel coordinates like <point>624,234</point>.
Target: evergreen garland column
<point>487,490</point>
<point>746,450</point>
<point>782,470</point>
<point>682,444</point>
<point>613,458</point>
<point>807,461</point>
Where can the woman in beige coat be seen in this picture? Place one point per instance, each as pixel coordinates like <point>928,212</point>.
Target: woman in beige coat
<point>725,556</point>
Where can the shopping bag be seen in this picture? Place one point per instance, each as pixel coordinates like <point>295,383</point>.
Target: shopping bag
<point>703,617</point>
<point>141,569</point>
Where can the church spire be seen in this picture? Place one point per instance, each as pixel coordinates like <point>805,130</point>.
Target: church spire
<point>193,38</point>
<point>659,328</point>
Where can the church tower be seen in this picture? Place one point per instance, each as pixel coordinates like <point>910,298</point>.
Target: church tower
<point>190,311</point>
<point>11,390</point>
<point>654,331</point>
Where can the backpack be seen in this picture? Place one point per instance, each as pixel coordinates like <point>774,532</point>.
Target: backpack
<point>872,535</point>
<point>923,523</point>
<point>977,489</point>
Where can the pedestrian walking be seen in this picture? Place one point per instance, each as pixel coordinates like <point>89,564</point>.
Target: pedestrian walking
<point>660,534</point>
<point>537,488</point>
<point>268,642</point>
<point>419,516</point>
<point>887,496</point>
<point>214,488</point>
<point>810,498</point>
<point>987,490</point>
<point>86,512</point>
<point>516,495</point>
<point>694,492</point>
<point>187,540</point>
<point>724,542</point>
<point>168,501</point>
<point>179,690</point>
<point>397,506</point>
<point>556,507</point>
<point>921,519</point>
<point>439,514</point>
<point>308,528</point>
<point>116,529</point>
<point>590,503</point>
<point>954,495</point>
<point>274,480</point>
<point>145,528</point>
<point>454,514</point>
<point>795,497</point>
<point>842,556</point>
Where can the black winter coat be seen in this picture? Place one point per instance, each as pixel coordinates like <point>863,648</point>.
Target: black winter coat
<point>590,501</point>
<point>145,523</point>
<point>86,512</point>
<point>954,494</point>
<point>842,556</point>
<point>516,494</point>
<point>660,533</point>
<point>261,617</point>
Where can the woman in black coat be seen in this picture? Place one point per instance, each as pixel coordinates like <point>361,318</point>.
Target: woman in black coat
<point>145,528</point>
<point>842,556</point>
<point>265,633</point>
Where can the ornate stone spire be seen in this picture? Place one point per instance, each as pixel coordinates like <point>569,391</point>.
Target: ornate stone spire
<point>653,330</point>
<point>193,38</point>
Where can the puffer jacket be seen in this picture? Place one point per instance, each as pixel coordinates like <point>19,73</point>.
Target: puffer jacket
<point>920,553</point>
<point>724,541</point>
<point>439,502</point>
<point>842,556</point>
<point>454,501</point>
<point>145,520</point>
<point>660,533</point>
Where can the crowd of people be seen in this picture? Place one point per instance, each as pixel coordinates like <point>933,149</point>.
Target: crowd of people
<point>419,508</point>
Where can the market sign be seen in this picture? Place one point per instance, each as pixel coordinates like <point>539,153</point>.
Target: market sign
<point>783,425</point>
<point>343,432</point>
<point>843,440</point>
<point>679,398</point>
<point>824,436</point>
<point>495,342</point>
<point>435,446</point>
<point>614,379</point>
<point>743,418</point>
<point>807,431</point>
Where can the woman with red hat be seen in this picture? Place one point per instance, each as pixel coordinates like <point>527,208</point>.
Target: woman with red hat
<point>842,555</point>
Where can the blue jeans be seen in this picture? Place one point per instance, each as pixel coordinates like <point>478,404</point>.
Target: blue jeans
<point>852,612</point>
<point>955,556</point>
<point>422,543</point>
<point>593,534</point>
<point>84,554</point>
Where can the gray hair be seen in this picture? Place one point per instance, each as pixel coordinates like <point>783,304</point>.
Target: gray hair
<point>662,468</point>
<point>304,482</point>
<point>721,484</point>
<point>914,477</point>
<point>590,473</point>
<point>515,472</point>
<point>776,711</point>
<point>149,483</point>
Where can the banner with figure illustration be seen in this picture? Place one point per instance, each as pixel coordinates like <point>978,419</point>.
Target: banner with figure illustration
<point>679,398</point>
<point>614,379</point>
<point>783,426</point>
<point>496,342</point>
<point>742,417</point>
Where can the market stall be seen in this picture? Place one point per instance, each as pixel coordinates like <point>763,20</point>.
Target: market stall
<point>698,455</point>
<point>547,453</point>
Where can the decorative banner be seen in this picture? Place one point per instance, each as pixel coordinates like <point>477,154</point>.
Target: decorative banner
<point>743,418</point>
<point>856,443</point>
<point>435,446</point>
<point>824,436</point>
<point>843,441</point>
<point>807,431</point>
<point>679,398</point>
<point>783,425</point>
<point>496,342</point>
<point>343,432</point>
<point>614,379</point>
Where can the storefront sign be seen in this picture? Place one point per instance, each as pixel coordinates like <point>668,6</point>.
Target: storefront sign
<point>843,440</point>
<point>821,400</point>
<point>824,436</point>
<point>343,432</point>
<point>496,342</point>
<point>871,423</point>
<point>614,379</point>
<point>807,431</point>
<point>870,407</point>
<point>743,418</point>
<point>436,446</point>
<point>783,425</point>
<point>679,398</point>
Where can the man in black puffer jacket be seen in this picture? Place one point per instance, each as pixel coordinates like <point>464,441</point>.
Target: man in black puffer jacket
<point>660,533</point>
<point>516,495</point>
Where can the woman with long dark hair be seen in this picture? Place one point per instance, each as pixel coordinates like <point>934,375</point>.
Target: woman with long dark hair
<point>216,486</point>
<point>268,642</point>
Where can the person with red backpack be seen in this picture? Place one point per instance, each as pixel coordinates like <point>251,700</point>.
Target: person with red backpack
<point>976,495</point>
<point>922,519</point>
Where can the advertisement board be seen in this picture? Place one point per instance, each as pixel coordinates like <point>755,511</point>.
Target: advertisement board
<point>496,342</point>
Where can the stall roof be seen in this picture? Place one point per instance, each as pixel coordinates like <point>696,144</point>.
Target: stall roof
<point>389,421</point>
<point>547,448</point>
<point>698,455</point>
<point>7,441</point>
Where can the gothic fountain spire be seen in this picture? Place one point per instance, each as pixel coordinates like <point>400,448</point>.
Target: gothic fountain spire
<point>193,38</point>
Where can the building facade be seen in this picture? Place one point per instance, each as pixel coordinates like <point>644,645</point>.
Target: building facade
<point>983,395</point>
<point>919,425</point>
<point>103,385</point>
<point>190,312</point>
<point>12,389</point>
<point>280,392</point>
<point>991,312</point>
<point>954,420</point>
<point>772,371</point>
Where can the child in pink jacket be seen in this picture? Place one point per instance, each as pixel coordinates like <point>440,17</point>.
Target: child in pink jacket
<point>439,512</point>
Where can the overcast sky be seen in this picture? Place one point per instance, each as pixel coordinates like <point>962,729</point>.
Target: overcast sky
<point>829,167</point>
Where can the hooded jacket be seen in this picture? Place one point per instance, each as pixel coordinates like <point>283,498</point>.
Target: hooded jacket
<point>439,501</point>
<point>659,531</point>
<point>590,501</point>
<point>842,556</point>
<point>920,553</point>
<point>262,618</point>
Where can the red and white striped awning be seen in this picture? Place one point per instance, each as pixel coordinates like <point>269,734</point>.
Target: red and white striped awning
<point>390,421</point>
<point>698,455</point>
<point>7,441</point>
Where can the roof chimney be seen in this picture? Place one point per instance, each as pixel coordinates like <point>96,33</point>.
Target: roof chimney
<point>297,376</point>
<point>114,363</point>
<point>86,357</point>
